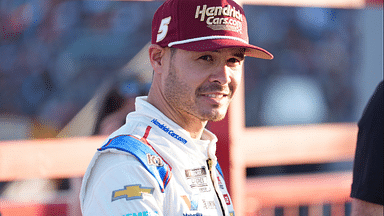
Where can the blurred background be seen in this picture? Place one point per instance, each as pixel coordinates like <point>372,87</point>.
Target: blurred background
<point>327,63</point>
<point>54,55</point>
<point>59,58</point>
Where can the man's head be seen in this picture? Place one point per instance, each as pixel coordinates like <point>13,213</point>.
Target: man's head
<point>197,53</point>
<point>203,25</point>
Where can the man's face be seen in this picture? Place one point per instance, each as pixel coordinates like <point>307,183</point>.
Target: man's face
<point>202,84</point>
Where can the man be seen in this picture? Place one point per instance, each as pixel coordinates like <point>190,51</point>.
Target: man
<point>162,161</point>
<point>367,186</point>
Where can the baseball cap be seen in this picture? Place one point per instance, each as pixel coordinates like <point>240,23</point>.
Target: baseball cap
<point>203,25</point>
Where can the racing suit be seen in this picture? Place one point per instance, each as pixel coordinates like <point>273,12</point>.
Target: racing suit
<point>151,166</point>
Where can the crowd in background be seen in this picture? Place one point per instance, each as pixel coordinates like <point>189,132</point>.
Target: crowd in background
<point>55,54</point>
<point>311,80</point>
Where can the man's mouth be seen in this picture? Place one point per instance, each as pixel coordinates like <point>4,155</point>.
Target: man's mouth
<point>218,96</point>
<point>215,91</point>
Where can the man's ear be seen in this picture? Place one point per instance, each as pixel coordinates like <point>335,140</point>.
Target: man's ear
<point>156,57</point>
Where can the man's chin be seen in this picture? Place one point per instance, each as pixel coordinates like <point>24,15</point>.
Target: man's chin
<point>217,119</point>
<point>217,116</point>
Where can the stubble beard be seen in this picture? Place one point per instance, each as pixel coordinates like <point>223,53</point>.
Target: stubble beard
<point>177,93</point>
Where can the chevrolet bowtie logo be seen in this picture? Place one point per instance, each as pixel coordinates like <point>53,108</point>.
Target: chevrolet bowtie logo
<point>131,192</point>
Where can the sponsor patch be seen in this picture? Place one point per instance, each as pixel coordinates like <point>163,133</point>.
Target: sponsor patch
<point>195,214</point>
<point>204,189</point>
<point>154,160</point>
<point>187,201</point>
<point>131,192</point>
<point>218,179</point>
<point>144,213</point>
<point>195,172</point>
<point>209,204</point>
<point>227,200</point>
<point>197,178</point>
<point>194,202</point>
<point>168,131</point>
<point>220,18</point>
<point>220,183</point>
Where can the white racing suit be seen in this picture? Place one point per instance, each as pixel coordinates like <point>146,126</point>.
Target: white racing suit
<point>151,166</point>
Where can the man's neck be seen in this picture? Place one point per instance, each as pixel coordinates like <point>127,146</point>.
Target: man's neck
<point>195,127</point>
<point>190,123</point>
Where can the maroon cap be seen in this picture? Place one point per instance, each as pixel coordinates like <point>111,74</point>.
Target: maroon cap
<point>203,25</point>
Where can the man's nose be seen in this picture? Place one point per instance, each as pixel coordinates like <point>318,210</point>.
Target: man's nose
<point>222,75</point>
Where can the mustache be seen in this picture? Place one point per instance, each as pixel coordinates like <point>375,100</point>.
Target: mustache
<point>214,87</point>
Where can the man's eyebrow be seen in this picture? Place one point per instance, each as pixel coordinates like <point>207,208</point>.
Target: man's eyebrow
<point>237,54</point>
<point>240,55</point>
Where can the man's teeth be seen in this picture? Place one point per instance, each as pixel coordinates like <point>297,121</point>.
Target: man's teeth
<point>215,96</point>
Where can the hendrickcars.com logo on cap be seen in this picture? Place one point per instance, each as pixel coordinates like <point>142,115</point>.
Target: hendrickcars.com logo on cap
<point>214,17</point>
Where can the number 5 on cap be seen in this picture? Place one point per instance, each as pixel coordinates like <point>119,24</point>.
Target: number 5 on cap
<point>163,30</point>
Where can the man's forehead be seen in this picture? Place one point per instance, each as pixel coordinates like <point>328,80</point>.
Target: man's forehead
<point>235,51</point>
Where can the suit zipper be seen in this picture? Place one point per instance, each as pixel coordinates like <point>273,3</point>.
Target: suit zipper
<point>209,163</point>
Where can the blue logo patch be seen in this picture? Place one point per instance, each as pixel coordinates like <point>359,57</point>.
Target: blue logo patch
<point>194,202</point>
<point>144,213</point>
<point>195,214</point>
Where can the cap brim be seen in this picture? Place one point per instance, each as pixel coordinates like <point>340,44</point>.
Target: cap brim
<point>216,44</point>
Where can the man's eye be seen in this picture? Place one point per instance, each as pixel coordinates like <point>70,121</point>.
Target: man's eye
<point>206,58</point>
<point>233,60</point>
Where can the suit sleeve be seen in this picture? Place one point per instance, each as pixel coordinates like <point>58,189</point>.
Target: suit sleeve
<point>120,185</point>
